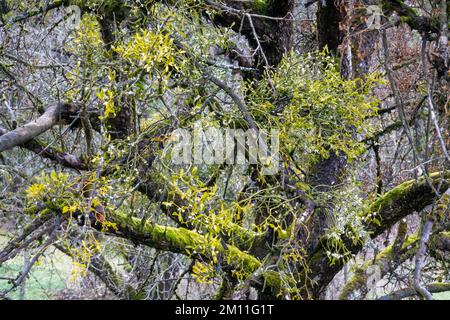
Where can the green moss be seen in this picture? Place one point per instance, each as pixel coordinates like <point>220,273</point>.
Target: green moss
<point>386,199</point>
<point>261,6</point>
<point>318,258</point>
<point>407,248</point>
<point>189,242</point>
<point>184,241</point>
<point>242,237</point>
<point>405,19</point>
<point>445,234</point>
<point>133,295</point>
<point>33,209</point>
<point>277,282</point>
<point>411,240</point>
<point>387,5</point>
<point>222,291</point>
<point>403,196</point>
<point>358,281</point>
<point>272,278</point>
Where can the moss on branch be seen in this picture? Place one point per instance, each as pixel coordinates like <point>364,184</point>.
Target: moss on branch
<point>184,241</point>
<point>359,284</point>
<point>411,16</point>
<point>408,197</point>
<point>410,292</point>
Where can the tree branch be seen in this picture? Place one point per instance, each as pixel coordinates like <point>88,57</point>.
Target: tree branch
<point>407,198</point>
<point>420,260</point>
<point>59,113</point>
<point>411,17</point>
<point>187,242</point>
<point>411,292</point>
<point>65,159</point>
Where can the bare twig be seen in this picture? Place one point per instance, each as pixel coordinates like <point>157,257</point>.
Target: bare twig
<point>420,260</point>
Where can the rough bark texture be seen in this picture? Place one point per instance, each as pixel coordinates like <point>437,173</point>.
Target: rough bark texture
<point>407,198</point>
<point>274,35</point>
<point>59,113</point>
<point>329,18</point>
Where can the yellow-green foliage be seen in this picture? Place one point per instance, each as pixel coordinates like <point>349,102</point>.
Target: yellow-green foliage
<point>81,255</point>
<point>53,189</point>
<point>61,193</point>
<point>154,51</point>
<point>204,272</point>
<point>92,67</point>
<point>201,207</point>
<point>194,202</point>
<point>88,33</point>
<point>108,97</point>
<point>315,109</point>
